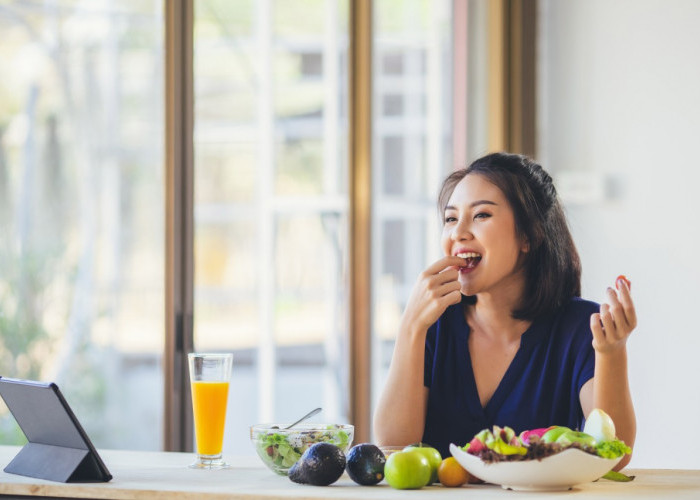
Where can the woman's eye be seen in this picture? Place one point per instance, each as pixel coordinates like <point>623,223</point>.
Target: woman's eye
<point>450,218</point>
<point>482,215</point>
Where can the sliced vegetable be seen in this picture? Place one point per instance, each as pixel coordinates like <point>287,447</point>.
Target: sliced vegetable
<point>600,426</point>
<point>618,476</point>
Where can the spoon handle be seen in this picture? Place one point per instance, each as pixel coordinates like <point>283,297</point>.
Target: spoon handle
<point>308,415</point>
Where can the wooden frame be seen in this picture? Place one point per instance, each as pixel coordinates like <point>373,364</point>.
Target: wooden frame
<point>512,70</point>
<point>179,195</point>
<point>460,53</point>
<point>360,216</point>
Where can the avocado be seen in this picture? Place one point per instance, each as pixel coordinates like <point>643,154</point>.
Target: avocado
<point>366,464</point>
<point>320,465</point>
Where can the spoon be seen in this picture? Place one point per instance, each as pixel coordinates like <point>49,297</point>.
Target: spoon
<point>308,415</point>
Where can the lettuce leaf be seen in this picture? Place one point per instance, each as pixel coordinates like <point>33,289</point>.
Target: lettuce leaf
<point>612,449</point>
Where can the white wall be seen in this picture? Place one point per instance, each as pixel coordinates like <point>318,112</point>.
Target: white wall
<point>619,104</point>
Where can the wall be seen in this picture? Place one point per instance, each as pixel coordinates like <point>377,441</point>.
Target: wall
<point>619,114</point>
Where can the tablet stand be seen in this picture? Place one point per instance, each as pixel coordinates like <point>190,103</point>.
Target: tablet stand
<point>58,448</point>
<point>54,463</point>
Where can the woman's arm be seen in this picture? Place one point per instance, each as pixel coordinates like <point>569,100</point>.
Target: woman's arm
<point>400,415</point>
<point>399,419</point>
<point>609,389</point>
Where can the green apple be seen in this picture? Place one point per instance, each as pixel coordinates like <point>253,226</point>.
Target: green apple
<point>433,456</point>
<point>553,434</point>
<point>407,469</point>
<point>568,438</point>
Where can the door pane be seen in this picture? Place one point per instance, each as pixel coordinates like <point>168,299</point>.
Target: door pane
<point>271,205</point>
<point>412,89</point>
<point>81,211</point>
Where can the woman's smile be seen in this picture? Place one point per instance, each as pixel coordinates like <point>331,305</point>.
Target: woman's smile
<point>479,226</point>
<point>473,259</point>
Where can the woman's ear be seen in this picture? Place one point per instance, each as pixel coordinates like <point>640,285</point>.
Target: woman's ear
<point>525,246</point>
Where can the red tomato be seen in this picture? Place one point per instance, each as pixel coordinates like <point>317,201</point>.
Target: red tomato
<point>623,278</point>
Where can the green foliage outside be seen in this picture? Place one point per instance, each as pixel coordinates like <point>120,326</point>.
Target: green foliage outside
<point>23,339</point>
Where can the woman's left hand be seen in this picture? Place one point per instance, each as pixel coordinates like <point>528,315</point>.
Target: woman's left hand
<point>616,320</point>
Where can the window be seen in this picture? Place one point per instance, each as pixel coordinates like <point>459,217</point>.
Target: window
<point>81,211</point>
<point>392,105</point>
<point>412,153</point>
<point>271,205</point>
<point>82,129</point>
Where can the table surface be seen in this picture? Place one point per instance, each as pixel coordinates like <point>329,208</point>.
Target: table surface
<point>161,475</point>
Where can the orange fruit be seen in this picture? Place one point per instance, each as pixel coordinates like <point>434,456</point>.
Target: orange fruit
<point>451,474</point>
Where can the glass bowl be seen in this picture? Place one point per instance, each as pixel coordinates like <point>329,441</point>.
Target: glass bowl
<point>279,449</point>
<point>388,450</point>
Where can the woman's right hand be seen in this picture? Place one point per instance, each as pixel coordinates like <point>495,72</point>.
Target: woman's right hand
<point>399,418</point>
<point>437,288</point>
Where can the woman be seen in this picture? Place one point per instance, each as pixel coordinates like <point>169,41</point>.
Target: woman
<point>495,332</point>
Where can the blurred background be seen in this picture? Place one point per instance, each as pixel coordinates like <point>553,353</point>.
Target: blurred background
<point>614,111</point>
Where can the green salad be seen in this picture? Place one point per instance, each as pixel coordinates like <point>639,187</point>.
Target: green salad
<point>280,450</point>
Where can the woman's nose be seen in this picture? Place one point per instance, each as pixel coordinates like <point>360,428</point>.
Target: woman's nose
<point>461,231</point>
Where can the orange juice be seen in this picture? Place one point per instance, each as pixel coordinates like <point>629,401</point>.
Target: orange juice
<point>209,405</point>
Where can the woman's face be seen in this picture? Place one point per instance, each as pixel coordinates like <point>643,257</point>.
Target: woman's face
<point>479,225</point>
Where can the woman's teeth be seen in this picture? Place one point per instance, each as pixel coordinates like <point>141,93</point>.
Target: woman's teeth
<point>472,258</point>
<point>467,255</point>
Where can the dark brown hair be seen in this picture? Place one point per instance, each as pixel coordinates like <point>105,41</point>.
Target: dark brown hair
<point>552,265</point>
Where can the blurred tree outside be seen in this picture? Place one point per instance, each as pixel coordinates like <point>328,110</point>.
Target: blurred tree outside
<point>75,139</point>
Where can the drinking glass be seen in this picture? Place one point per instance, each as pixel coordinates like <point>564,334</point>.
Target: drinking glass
<point>209,377</point>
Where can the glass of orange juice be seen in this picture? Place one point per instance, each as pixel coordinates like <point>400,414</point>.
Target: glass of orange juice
<point>209,376</point>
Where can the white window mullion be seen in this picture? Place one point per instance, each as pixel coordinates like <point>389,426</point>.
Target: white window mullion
<point>333,368</point>
<point>266,364</point>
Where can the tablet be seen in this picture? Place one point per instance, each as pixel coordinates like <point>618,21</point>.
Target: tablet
<point>58,448</point>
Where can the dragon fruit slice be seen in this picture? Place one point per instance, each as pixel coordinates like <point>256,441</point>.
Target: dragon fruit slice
<point>525,435</point>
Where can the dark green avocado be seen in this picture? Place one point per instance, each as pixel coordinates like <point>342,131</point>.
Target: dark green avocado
<point>366,464</point>
<point>322,464</point>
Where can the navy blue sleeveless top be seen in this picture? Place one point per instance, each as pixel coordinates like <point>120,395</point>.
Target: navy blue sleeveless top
<point>540,387</point>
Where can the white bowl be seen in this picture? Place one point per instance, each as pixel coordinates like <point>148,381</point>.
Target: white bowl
<point>556,472</point>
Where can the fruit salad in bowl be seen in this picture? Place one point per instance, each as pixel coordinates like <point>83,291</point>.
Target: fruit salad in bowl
<point>550,458</point>
<point>280,448</point>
